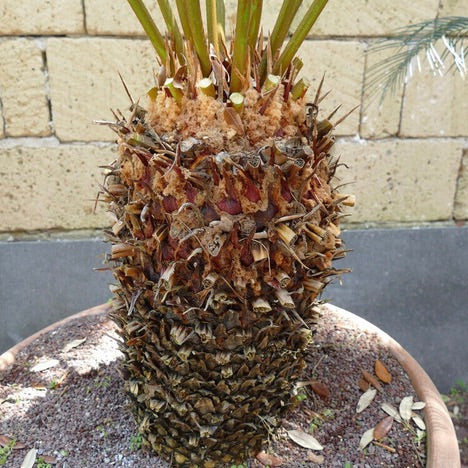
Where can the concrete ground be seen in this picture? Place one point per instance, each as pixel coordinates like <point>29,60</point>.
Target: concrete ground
<point>412,283</point>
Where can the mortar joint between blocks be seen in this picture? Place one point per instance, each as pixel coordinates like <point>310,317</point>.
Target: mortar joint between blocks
<point>47,90</point>
<point>460,174</point>
<point>85,23</point>
<point>2,121</point>
<point>363,85</point>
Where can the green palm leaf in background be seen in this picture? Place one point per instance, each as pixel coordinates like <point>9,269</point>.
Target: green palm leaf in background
<point>439,40</point>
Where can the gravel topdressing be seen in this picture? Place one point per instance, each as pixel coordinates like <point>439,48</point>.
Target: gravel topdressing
<point>76,414</point>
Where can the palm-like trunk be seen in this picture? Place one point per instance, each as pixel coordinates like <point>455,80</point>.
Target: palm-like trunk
<point>226,226</point>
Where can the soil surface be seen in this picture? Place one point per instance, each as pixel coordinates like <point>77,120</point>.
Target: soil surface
<point>69,404</point>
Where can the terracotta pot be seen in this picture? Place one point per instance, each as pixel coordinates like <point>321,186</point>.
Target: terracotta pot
<point>442,444</point>
<point>8,357</point>
<point>442,441</point>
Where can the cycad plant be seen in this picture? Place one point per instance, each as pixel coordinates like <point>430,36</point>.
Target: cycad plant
<point>226,227</point>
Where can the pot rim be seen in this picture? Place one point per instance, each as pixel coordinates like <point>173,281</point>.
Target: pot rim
<point>442,444</point>
<point>8,357</point>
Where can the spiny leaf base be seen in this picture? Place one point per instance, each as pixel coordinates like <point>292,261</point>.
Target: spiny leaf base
<point>219,258</point>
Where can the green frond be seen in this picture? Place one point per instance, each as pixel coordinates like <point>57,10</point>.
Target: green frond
<point>409,44</point>
<point>240,48</point>
<point>198,35</point>
<point>191,20</point>
<point>299,36</point>
<point>248,61</point>
<point>280,31</point>
<point>212,23</point>
<point>283,23</point>
<point>184,20</point>
<point>254,24</point>
<point>172,28</point>
<point>221,12</point>
<point>150,28</point>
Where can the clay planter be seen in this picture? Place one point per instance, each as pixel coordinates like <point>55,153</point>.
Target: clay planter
<point>8,357</point>
<point>441,438</point>
<point>442,445</point>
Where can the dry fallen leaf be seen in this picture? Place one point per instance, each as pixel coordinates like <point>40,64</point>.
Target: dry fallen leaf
<point>382,372</point>
<point>393,412</point>
<point>44,365</point>
<point>29,459</point>
<point>418,421</point>
<point>366,399</point>
<point>384,446</point>
<point>418,405</point>
<point>38,385</point>
<point>315,458</point>
<point>5,441</point>
<point>363,384</point>
<point>73,344</point>
<point>383,427</point>
<point>405,408</point>
<point>19,446</point>
<point>371,379</point>
<point>269,460</point>
<point>366,439</point>
<point>321,390</point>
<point>304,440</point>
<point>49,459</point>
<point>60,381</point>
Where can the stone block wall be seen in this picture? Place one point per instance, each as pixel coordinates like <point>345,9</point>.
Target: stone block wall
<point>59,65</point>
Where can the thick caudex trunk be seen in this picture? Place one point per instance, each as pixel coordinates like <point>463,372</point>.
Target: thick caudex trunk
<point>223,237</point>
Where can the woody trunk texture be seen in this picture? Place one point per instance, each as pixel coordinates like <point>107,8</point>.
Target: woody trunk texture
<point>225,230</point>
